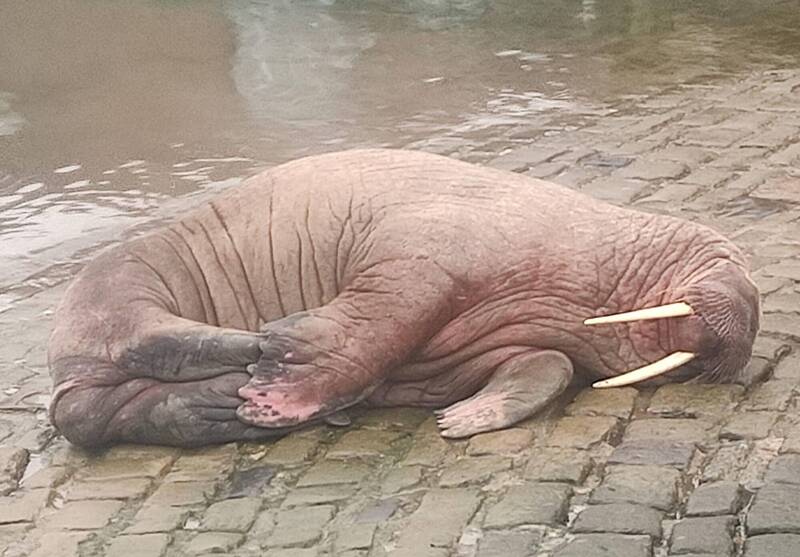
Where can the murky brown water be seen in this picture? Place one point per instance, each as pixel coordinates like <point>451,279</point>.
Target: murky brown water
<point>114,112</point>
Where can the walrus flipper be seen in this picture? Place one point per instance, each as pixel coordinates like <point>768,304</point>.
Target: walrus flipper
<point>519,388</point>
<point>319,361</point>
<point>185,350</point>
<point>145,410</point>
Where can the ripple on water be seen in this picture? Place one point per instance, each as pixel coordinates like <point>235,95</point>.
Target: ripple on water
<point>67,169</point>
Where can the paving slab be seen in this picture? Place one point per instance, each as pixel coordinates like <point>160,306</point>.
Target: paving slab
<point>716,498</point>
<point>712,535</point>
<point>776,508</point>
<point>620,518</point>
<point>530,503</point>
<point>606,545</point>
<point>652,486</point>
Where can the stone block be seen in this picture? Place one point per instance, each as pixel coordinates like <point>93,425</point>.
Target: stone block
<point>649,170</point>
<point>118,469</point>
<point>378,512</point>
<point>506,441</point>
<point>669,429</point>
<point>400,479</point>
<point>713,136</point>
<point>23,506</point>
<point>140,545</point>
<point>669,193</point>
<point>703,535</point>
<point>776,509</point>
<point>205,464</point>
<point>620,518</point>
<point>613,189</point>
<point>469,470</point>
<point>606,545</point>
<point>788,368</point>
<point>782,324</point>
<point>213,542</point>
<point>788,268</point>
<point>429,532</point>
<point>13,461</point>
<point>153,519</point>
<point>727,462</point>
<point>303,552</point>
<point>231,515</point>
<point>617,403</point>
<point>355,536</point>
<point>52,476</point>
<point>773,395</point>
<point>300,526</point>
<point>782,301</point>
<point>658,453</point>
<point>428,448</point>
<point>715,498</point>
<point>690,156</point>
<point>772,545</point>
<point>546,170</point>
<point>499,543</point>
<point>748,425</point>
<point>396,419</point>
<point>652,486</point>
<point>365,443</point>
<point>179,494</point>
<point>249,482</point>
<point>521,159</point>
<point>582,432</point>
<point>317,495</point>
<point>707,177</point>
<point>58,544</point>
<point>679,400</point>
<point>292,450</point>
<point>332,472</point>
<point>558,465</point>
<point>784,469</point>
<point>83,515</point>
<point>125,488</point>
<point>530,503</point>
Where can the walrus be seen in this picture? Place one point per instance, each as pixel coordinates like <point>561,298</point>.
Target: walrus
<point>391,278</point>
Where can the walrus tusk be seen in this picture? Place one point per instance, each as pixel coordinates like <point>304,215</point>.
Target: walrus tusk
<point>668,363</point>
<point>678,309</point>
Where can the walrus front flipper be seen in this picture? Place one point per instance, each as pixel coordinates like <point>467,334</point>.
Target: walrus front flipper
<point>519,388</point>
<point>316,362</point>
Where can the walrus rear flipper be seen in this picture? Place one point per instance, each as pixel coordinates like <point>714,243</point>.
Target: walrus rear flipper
<point>145,410</point>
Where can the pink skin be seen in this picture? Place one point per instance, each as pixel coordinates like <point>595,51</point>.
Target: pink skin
<point>390,277</point>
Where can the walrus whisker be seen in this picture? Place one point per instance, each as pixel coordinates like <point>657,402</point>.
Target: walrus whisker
<point>678,309</point>
<point>668,363</point>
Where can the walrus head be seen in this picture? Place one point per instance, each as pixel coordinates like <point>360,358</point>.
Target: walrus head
<point>716,319</point>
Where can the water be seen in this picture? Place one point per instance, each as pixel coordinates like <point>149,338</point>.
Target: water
<point>116,113</point>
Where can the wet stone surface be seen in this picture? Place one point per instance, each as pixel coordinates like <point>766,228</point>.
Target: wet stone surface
<point>715,498</point>
<point>703,535</point>
<point>652,486</point>
<point>622,518</point>
<point>675,470</point>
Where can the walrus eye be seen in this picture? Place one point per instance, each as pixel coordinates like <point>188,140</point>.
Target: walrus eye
<point>660,367</point>
<point>678,309</point>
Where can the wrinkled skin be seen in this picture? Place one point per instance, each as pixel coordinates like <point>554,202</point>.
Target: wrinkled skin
<point>390,277</point>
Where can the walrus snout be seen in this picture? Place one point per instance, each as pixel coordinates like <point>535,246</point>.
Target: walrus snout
<point>728,311</point>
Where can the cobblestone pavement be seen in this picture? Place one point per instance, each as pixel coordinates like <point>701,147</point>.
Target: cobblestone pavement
<point>682,470</point>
